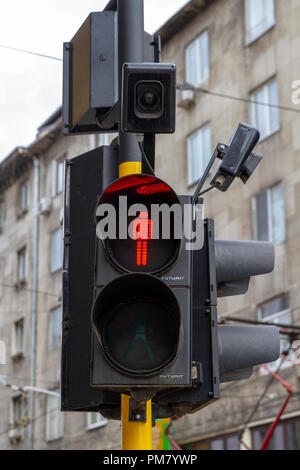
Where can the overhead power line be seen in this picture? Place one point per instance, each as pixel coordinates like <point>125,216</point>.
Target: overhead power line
<point>187,86</point>
<point>12,286</point>
<point>180,86</point>
<point>24,51</point>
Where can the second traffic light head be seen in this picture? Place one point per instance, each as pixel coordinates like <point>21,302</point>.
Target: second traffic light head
<point>148,98</point>
<point>243,347</point>
<point>238,261</point>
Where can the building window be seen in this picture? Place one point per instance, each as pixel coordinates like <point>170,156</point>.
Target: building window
<point>55,329</point>
<point>102,139</point>
<point>58,177</point>
<point>199,153</point>
<point>24,197</point>
<point>21,275</point>
<point>18,338</point>
<point>286,436</point>
<point>269,215</point>
<point>260,17</point>
<point>56,250</point>
<point>95,420</point>
<point>54,420</point>
<point>277,311</point>
<point>197,60</point>
<point>1,215</point>
<point>230,442</point>
<point>17,416</point>
<point>266,118</point>
<point>292,434</point>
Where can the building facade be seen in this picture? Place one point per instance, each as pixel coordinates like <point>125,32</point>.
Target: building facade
<point>240,53</point>
<point>32,182</point>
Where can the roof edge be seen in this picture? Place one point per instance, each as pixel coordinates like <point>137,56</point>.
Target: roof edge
<point>181,18</point>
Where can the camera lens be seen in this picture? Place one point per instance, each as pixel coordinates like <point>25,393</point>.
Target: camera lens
<point>149,99</point>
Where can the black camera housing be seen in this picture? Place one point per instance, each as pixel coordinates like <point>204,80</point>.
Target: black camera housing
<point>238,160</point>
<point>148,98</point>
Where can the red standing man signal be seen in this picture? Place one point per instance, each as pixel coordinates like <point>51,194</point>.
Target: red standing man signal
<point>142,232</point>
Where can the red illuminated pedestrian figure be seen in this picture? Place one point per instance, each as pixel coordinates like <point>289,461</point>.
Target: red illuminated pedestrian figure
<point>142,232</point>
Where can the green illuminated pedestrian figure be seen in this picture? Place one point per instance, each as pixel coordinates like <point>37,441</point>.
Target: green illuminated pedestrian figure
<point>140,329</point>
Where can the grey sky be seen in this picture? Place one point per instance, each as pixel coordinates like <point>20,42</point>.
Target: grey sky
<point>30,87</point>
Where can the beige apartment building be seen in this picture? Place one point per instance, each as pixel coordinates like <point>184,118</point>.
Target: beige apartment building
<point>31,186</point>
<point>247,49</point>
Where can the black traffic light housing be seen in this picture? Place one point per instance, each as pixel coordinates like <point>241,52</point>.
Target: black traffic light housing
<point>148,98</point>
<point>222,353</point>
<point>142,310</point>
<point>140,315</point>
<point>185,376</point>
<point>99,167</point>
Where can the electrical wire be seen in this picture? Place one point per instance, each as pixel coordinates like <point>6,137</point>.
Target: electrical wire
<point>248,100</point>
<point>145,158</point>
<point>201,90</point>
<point>228,318</point>
<point>24,51</point>
<point>187,86</point>
<point>257,405</point>
<point>11,286</point>
<point>208,190</point>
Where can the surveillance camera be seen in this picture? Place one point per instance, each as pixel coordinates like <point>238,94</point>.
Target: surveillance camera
<point>149,98</point>
<point>238,160</point>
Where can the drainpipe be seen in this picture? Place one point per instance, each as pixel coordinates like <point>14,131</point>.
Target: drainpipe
<point>35,254</point>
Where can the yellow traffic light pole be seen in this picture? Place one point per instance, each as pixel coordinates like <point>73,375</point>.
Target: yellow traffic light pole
<point>136,435</point>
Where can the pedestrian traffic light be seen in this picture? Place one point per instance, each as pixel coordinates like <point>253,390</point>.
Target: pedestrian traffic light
<point>142,269</point>
<point>139,243</point>
<point>142,310</point>
<point>151,327</point>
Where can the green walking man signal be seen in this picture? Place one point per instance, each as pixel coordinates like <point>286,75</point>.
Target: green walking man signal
<point>141,330</point>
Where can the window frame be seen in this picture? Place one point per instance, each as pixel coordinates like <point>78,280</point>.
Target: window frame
<point>250,39</point>
<point>56,269</point>
<point>104,138</point>
<point>199,64</point>
<point>190,180</point>
<point>284,424</point>
<point>208,442</point>
<point>253,108</point>
<point>100,424</point>
<point>2,214</point>
<point>59,432</point>
<point>272,319</point>
<point>52,347</point>
<point>16,352</point>
<point>17,429</point>
<point>56,189</point>
<point>23,209</point>
<point>268,192</point>
<point>20,253</point>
